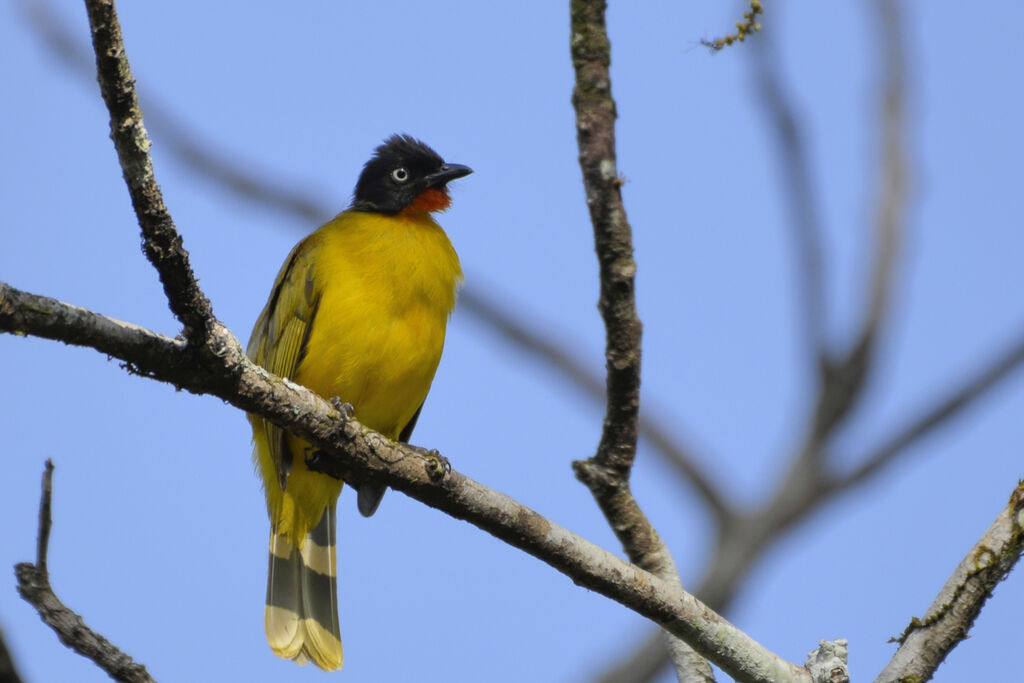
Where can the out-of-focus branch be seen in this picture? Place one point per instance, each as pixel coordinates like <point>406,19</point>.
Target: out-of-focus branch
<point>937,415</point>
<point>843,381</point>
<point>807,483</point>
<point>889,224</point>
<point>161,241</point>
<point>8,672</point>
<point>238,179</point>
<point>801,194</point>
<point>740,548</point>
<point>34,586</point>
<point>927,641</point>
<point>518,331</point>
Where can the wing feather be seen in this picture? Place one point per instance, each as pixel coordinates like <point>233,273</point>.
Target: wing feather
<point>282,332</point>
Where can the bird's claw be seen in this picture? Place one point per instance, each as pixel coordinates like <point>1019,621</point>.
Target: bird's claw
<point>438,466</point>
<point>342,407</point>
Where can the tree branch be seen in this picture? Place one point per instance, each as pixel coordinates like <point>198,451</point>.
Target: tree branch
<point>926,642</point>
<point>798,186</point>
<point>893,178</point>
<point>940,413</point>
<point>519,332</point>
<point>613,237</point>
<point>8,672</point>
<point>242,181</point>
<point>34,587</point>
<point>346,446</point>
<point>607,473</point>
<point>161,242</point>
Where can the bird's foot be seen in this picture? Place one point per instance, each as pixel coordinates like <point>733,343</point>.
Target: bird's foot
<point>342,407</point>
<point>438,466</point>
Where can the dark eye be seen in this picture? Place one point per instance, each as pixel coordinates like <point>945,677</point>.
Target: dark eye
<point>400,175</point>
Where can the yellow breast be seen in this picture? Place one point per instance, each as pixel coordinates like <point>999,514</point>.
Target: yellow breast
<point>387,286</point>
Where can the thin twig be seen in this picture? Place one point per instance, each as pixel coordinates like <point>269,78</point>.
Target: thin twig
<point>801,194</point>
<point>518,331</point>
<point>34,587</point>
<point>939,414</point>
<point>926,641</point>
<point>345,445</point>
<point>891,205</point>
<point>45,520</point>
<point>187,144</point>
<point>843,381</point>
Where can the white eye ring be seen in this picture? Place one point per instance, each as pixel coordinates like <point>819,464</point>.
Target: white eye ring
<point>400,175</point>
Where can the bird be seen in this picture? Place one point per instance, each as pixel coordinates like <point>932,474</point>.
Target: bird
<point>357,313</point>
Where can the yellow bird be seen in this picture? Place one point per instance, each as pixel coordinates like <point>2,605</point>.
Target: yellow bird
<point>358,312</point>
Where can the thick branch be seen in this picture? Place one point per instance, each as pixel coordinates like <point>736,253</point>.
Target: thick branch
<point>161,242</point>
<point>34,587</point>
<point>348,446</point>
<point>927,641</point>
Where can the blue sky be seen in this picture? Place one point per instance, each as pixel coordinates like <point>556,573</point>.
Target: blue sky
<point>160,528</point>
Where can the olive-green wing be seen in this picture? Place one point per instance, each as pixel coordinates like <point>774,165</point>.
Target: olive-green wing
<point>282,331</point>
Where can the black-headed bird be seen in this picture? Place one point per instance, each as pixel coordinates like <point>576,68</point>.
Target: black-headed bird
<point>358,312</point>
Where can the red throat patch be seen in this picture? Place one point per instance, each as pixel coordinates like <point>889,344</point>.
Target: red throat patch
<point>431,199</point>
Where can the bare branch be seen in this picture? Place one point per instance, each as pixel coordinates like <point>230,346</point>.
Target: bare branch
<point>644,663</point>
<point>937,415</point>
<point>740,549</point>
<point>843,381</point>
<point>161,242</point>
<point>8,672</point>
<point>801,194</point>
<point>613,237</point>
<point>45,518</point>
<point>893,178</point>
<point>926,642</point>
<point>517,330</point>
<point>607,473</point>
<point>34,587</point>
<point>239,179</point>
<point>346,446</point>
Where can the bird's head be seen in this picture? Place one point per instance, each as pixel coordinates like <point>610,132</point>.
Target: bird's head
<point>405,175</point>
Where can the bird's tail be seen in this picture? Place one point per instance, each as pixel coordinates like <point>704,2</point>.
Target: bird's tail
<point>301,617</point>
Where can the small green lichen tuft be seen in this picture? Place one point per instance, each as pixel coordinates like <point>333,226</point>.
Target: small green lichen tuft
<point>748,26</point>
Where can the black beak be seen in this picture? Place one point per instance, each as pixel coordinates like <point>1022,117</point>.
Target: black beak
<point>448,173</point>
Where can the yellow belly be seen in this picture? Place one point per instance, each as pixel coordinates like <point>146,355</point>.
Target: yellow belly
<point>386,287</point>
